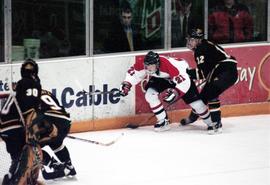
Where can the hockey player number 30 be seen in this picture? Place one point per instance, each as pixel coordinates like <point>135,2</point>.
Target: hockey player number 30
<point>32,92</point>
<point>49,101</point>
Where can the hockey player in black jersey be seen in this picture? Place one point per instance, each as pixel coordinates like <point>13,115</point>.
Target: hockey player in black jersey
<point>53,125</point>
<point>218,69</point>
<point>16,115</point>
<point>50,126</point>
<point>36,130</point>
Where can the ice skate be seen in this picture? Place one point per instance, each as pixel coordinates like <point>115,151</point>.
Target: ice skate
<point>162,125</point>
<point>69,169</point>
<point>210,130</point>
<point>55,165</point>
<point>65,170</point>
<point>7,180</point>
<point>191,119</point>
<point>57,170</point>
<point>216,129</point>
<point>52,175</point>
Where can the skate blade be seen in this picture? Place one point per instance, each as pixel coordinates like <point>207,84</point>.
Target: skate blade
<point>216,131</point>
<point>162,129</point>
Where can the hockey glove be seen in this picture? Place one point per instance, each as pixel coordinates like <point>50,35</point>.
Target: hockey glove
<point>171,96</point>
<point>125,88</point>
<point>192,73</point>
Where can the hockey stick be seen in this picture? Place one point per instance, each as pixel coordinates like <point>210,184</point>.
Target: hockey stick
<point>134,125</point>
<point>96,142</point>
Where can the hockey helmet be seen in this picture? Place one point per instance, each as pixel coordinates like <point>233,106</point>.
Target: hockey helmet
<point>151,58</point>
<point>29,69</point>
<point>196,33</point>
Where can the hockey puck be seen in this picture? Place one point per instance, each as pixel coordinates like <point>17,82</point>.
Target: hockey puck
<point>132,126</point>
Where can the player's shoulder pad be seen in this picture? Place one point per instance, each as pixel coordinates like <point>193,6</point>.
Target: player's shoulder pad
<point>139,64</point>
<point>164,58</point>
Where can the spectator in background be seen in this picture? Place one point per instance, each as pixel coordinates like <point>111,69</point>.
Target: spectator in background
<point>230,22</point>
<point>123,36</point>
<point>182,21</point>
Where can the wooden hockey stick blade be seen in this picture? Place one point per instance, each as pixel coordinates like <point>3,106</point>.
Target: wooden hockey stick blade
<point>134,125</point>
<point>96,142</point>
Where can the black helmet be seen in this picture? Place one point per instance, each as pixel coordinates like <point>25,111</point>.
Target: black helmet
<point>196,33</point>
<point>29,69</point>
<point>151,58</point>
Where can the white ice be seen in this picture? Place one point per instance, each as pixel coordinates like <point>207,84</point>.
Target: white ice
<point>182,156</point>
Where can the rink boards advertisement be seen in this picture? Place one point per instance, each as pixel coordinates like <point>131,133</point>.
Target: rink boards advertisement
<point>253,83</point>
<point>73,81</point>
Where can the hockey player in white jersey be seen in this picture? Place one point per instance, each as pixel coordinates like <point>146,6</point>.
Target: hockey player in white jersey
<point>165,73</point>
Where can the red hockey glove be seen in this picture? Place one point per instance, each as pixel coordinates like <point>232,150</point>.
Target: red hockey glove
<point>171,96</point>
<point>125,88</point>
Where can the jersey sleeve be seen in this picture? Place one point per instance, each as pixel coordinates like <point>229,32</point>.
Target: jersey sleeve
<point>135,73</point>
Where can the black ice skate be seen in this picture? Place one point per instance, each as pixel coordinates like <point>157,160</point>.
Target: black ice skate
<point>7,180</point>
<point>162,125</point>
<point>217,128</point>
<point>55,165</point>
<point>66,170</point>
<point>191,119</point>
<point>52,175</point>
<point>69,169</point>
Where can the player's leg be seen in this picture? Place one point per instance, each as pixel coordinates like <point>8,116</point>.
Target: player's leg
<point>191,95</point>
<point>59,169</point>
<point>214,107</point>
<point>15,140</point>
<point>56,167</point>
<point>193,100</point>
<point>222,79</point>
<point>154,87</point>
<point>193,116</point>
<point>59,149</point>
<point>151,96</point>
<point>63,154</point>
<point>28,166</point>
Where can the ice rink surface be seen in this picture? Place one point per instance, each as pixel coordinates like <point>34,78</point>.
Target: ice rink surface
<point>182,156</point>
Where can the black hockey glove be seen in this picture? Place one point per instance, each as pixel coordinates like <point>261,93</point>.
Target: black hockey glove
<point>171,96</point>
<point>192,73</point>
<point>125,88</point>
